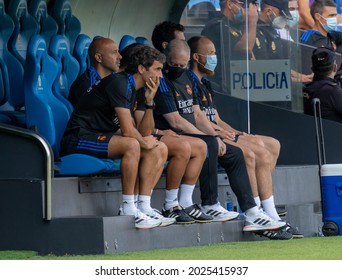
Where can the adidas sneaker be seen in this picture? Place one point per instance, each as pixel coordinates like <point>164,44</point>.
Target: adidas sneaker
<point>218,213</point>
<point>142,221</point>
<point>262,222</point>
<point>155,214</point>
<point>195,212</point>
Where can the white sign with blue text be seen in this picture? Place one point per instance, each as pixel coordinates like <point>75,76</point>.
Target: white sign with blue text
<point>267,80</point>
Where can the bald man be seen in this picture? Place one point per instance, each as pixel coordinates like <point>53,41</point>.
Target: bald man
<point>104,59</point>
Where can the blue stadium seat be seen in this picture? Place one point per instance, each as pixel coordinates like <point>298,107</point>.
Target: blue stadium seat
<point>143,41</point>
<point>24,27</point>
<point>125,41</point>
<point>81,52</point>
<point>68,25</point>
<point>49,116</point>
<point>11,90</point>
<point>47,26</point>
<point>68,69</point>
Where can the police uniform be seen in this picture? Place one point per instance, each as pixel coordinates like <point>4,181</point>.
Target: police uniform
<point>268,43</point>
<point>94,120</point>
<point>323,87</point>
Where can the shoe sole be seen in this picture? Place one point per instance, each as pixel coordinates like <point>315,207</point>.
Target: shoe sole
<point>258,229</point>
<point>185,223</point>
<point>203,221</point>
<point>147,226</point>
<point>226,219</point>
<point>167,223</point>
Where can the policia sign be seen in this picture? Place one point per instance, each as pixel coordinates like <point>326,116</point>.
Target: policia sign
<point>267,80</point>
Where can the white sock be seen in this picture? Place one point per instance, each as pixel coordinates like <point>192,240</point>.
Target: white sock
<point>257,201</point>
<point>171,199</point>
<point>252,211</point>
<point>269,208</point>
<point>136,196</point>
<point>185,195</point>
<point>144,203</point>
<point>128,205</point>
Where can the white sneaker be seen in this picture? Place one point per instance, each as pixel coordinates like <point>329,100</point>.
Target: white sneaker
<point>218,213</point>
<point>155,214</point>
<point>262,222</point>
<point>143,221</point>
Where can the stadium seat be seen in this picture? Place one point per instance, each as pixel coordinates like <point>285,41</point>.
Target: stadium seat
<point>68,69</point>
<point>48,116</point>
<point>47,26</point>
<point>81,52</point>
<point>125,41</point>
<point>68,25</point>
<point>143,41</point>
<point>11,72</point>
<point>24,27</point>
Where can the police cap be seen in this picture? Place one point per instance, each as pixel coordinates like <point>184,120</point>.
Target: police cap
<point>282,5</point>
<point>322,59</point>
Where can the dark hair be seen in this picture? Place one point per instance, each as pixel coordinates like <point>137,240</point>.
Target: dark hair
<point>193,43</point>
<point>318,6</point>
<point>143,55</point>
<point>126,53</point>
<point>165,32</point>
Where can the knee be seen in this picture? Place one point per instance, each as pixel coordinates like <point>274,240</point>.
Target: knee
<point>249,157</point>
<point>180,149</point>
<point>162,151</point>
<point>200,149</point>
<point>132,146</point>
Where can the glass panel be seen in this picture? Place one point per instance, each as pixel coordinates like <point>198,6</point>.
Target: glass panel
<point>259,59</point>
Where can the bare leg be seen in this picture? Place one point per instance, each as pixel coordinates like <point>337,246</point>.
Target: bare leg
<point>197,158</point>
<point>128,149</point>
<point>179,152</point>
<point>150,168</point>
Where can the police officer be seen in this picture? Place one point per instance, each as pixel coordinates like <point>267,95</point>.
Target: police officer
<point>324,86</point>
<point>228,33</point>
<point>273,17</point>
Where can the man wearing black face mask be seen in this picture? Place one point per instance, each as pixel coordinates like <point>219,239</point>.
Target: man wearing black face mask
<point>228,33</point>
<point>273,17</point>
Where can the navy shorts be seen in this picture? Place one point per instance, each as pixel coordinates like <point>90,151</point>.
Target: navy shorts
<point>85,142</point>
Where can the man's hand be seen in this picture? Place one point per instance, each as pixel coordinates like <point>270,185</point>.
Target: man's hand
<point>252,15</point>
<point>222,148</point>
<point>150,143</point>
<point>225,134</point>
<point>151,89</point>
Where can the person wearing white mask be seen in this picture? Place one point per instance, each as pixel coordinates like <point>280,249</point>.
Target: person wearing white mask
<point>324,13</point>
<point>229,34</point>
<point>292,23</point>
<point>274,16</point>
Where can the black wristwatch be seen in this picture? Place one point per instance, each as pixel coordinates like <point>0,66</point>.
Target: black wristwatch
<point>147,106</point>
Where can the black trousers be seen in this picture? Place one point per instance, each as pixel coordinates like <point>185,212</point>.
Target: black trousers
<point>234,164</point>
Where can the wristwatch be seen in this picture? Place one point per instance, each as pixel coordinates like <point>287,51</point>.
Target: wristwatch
<point>148,106</point>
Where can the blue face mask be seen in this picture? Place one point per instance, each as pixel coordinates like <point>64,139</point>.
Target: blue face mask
<point>295,19</point>
<point>211,62</point>
<point>330,25</point>
<point>238,17</point>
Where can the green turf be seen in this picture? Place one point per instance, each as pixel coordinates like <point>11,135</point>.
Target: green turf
<point>315,248</point>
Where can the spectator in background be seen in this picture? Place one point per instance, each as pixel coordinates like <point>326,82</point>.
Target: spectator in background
<point>323,32</point>
<point>107,108</point>
<point>104,59</point>
<point>231,42</point>
<point>305,19</point>
<point>324,86</point>
<point>164,32</point>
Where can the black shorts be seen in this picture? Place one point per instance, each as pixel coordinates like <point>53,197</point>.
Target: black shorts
<point>86,142</point>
